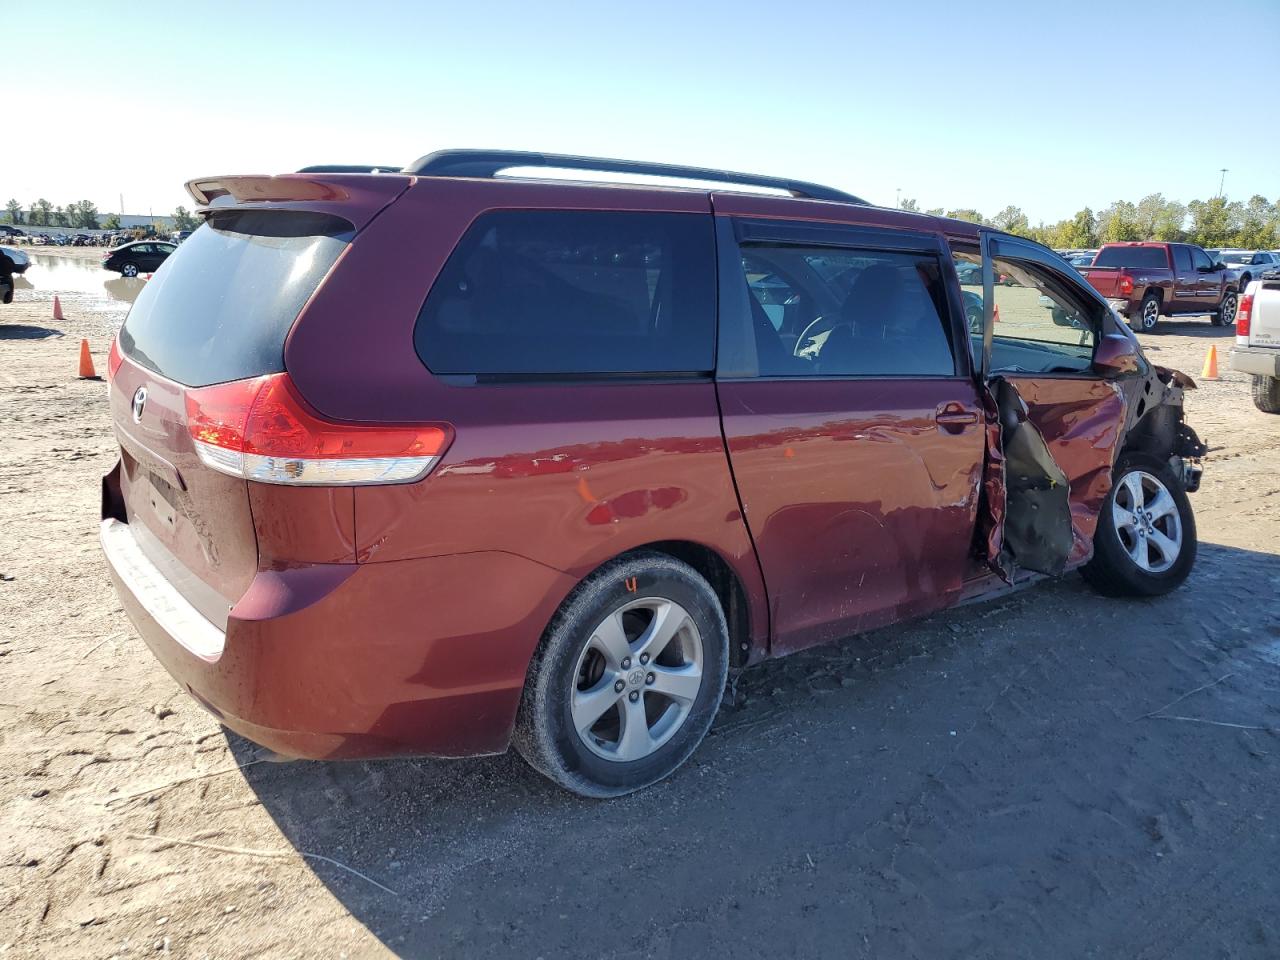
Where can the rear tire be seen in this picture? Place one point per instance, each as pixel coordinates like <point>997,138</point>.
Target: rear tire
<point>1149,313</point>
<point>1226,314</point>
<point>1145,544</point>
<point>1266,394</point>
<point>129,270</point>
<point>610,706</point>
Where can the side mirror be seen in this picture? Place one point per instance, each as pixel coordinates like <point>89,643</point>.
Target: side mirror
<point>1220,266</point>
<point>1117,356</point>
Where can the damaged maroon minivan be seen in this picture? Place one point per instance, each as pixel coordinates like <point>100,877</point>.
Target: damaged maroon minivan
<point>442,460</point>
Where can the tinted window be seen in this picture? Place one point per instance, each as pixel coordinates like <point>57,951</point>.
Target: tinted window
<point>1200,259</point>
<point>574,292</point>
<point>844,311</point>
<point>1182,259</point>
<point>220,307</point>
<point>1131,257</point>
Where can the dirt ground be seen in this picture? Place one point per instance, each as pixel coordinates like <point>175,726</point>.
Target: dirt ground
<point>1051,774</point>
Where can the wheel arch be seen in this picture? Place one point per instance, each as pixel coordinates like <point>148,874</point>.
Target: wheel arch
<point>726,583</point>
<point>748,639</point>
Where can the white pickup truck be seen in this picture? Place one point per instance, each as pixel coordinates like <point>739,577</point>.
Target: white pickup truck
<point>1257,349</point>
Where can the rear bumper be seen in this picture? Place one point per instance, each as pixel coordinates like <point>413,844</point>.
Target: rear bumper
<point>1122,307</point>
<point>335,661</point>
<point>1259,361</point>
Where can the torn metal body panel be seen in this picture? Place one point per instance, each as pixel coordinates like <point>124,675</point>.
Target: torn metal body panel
<point>1081,422</point>
<point>1037,525</point>
<point>1045,432</point>
<point>1155,424</point>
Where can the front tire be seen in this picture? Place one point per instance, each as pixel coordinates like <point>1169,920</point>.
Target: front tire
<point>1145,543</point>
<point>1266,394</point>
<point>627,678</point>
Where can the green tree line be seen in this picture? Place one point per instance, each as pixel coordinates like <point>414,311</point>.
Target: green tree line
<point>1253,224</point>
<point>79,215</point>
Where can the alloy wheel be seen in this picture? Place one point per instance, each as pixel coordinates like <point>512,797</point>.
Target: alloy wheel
<point>636,679</point>
<point>129,270</point>
<point>1146,519</point>
<point>1150,314</point>
<point>1227,315</point>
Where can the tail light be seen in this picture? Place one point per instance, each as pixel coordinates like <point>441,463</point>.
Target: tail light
<point>1126,284</point>
<point>113,359</point>
<point>263,430</point>
<point>1244,311</point>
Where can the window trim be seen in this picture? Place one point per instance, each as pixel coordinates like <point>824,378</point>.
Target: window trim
<point>736,358</point>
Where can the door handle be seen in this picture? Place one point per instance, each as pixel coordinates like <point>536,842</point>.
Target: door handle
<point>954,415</point>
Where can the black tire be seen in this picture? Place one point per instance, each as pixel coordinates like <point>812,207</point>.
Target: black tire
<point>1266,394</point>
<point>1226,314</point>
<point>129,270</point>
<point>1149,312</point>
<point>545,733</point>
<point>1113,571</point>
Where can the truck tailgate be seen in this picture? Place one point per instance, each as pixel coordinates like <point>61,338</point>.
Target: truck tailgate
<point>1264,320</point>
<point>1106,280</point>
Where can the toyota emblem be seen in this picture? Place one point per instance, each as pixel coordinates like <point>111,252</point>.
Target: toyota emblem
<point>139,401</point>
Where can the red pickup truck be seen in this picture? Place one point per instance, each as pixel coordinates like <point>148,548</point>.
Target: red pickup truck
<point>1144,281</point>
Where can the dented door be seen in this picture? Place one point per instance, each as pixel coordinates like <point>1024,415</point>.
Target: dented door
<point>859,487</point>
<point>1041,329</point>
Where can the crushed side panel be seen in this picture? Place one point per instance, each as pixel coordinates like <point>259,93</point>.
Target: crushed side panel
<point>1082,421</point>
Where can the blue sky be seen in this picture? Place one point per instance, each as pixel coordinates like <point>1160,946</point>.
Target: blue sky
<point>1048,105</point>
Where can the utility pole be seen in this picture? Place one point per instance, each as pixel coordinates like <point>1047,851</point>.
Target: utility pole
<point>1222,181</point>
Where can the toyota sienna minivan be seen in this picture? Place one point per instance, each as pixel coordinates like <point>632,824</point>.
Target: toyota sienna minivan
<point>439,461</point>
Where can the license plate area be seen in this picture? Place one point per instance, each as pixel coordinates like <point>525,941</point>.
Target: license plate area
<point>161,498</point>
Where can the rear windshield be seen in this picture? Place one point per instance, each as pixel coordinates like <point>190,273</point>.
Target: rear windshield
<point>1131,257</point>
<point>221,306</point>
<point>574,293</point>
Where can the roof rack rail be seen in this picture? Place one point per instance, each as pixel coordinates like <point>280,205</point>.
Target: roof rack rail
<point>350,168</point>
<point>486,164</point>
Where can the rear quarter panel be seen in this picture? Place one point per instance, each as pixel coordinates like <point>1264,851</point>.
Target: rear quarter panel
<point>568,475</point>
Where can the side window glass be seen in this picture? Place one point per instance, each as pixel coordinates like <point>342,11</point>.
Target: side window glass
<point>562,292</point>
<point>779,300</point>
<point>821,311</point>
<point>1200,259</point>
<point>1182,259</point>
<point>1039,327</point>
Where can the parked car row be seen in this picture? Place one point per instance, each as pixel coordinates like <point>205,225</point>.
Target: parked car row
<point>109,239</point>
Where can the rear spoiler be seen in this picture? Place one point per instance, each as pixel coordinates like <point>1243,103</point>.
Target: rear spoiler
<point>357,197</point>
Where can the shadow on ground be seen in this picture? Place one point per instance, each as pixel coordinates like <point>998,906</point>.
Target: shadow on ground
<point>988,782</point>
<point>1199,327</point>
<point>25,331</point>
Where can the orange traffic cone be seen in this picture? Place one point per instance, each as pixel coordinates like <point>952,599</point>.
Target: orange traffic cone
<point>1210,371</point>
<point>57,309</point>
<point>86,362</point>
